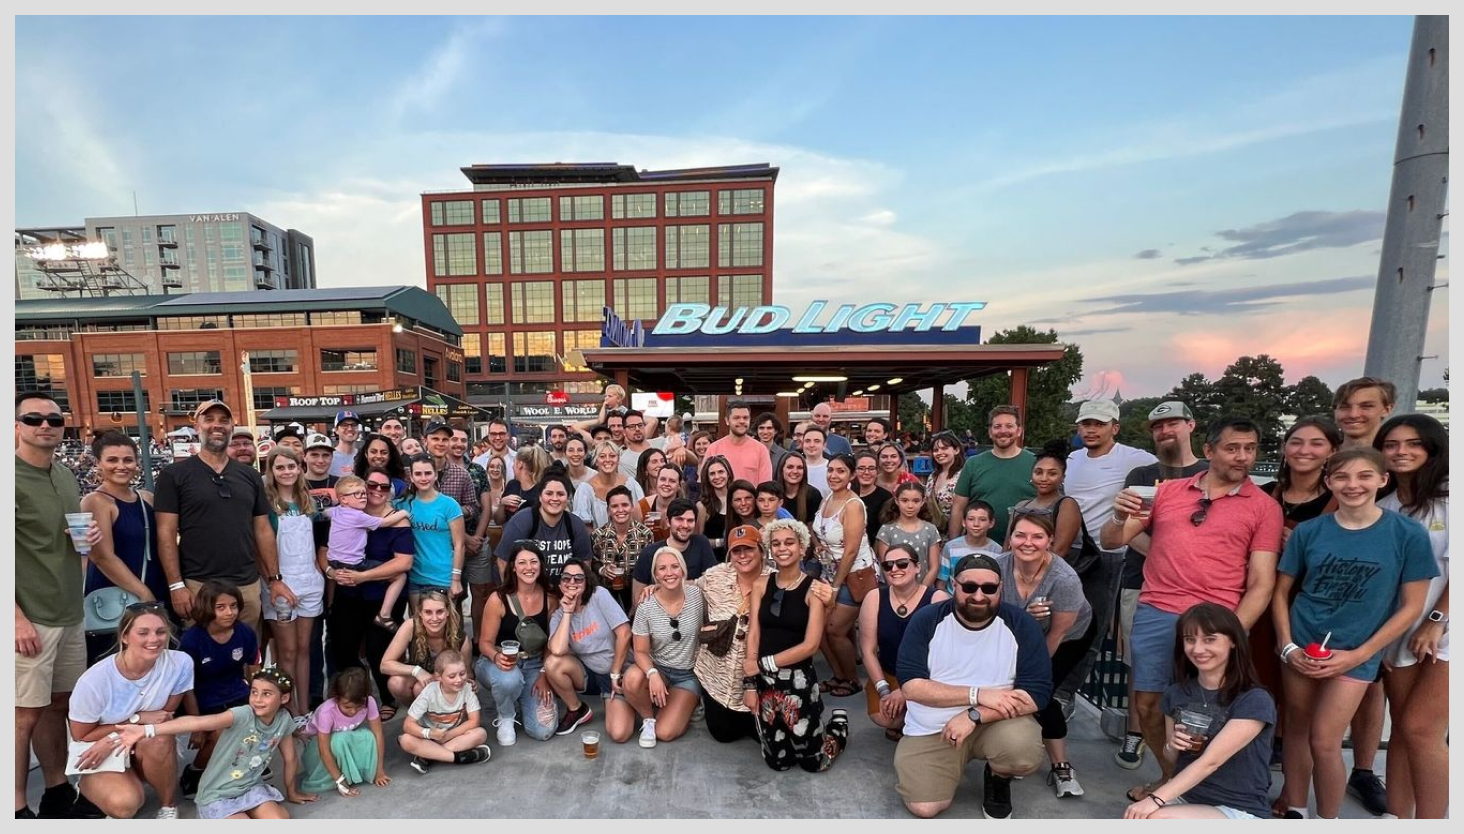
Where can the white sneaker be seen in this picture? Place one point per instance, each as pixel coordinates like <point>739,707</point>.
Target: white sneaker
<point>1063,781</point>
<point>167,812</point>
<point>506,734</point>
<point>699,714</point>
<point>648,733</point>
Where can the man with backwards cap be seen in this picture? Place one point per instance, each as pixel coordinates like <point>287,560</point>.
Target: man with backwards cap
<point>348,431</point>
<point>291,438</point>
<point>319,452</point>
<point>974,671</point>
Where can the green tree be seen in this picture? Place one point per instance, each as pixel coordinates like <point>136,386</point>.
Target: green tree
<point>1048,388</point>
<point>1201,395</point>
<point>1309,396</point>
<point>1434,395</point>
<point>1134,422</point>
<point>912,410</point>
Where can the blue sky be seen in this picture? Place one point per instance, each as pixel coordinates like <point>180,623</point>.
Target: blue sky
<point>1170,193</point>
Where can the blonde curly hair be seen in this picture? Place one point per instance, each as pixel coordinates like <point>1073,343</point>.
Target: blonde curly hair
<point>799,529</point>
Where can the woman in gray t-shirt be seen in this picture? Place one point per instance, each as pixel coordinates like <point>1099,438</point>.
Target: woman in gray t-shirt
<point>661,685</point>
<point>589,638</point>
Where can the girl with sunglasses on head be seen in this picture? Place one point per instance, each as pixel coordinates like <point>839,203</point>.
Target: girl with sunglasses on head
<point>1037,580</point>
<point>906,520</point>
<point>435,627</point>
<point>661,684</point>
<point>1416,450</point>
<point>293,515</point>
<point>143,684</point>
<point>883,617</point>
<point>589,639</point>
<point>1219,721</point>
<point>1364,573</point>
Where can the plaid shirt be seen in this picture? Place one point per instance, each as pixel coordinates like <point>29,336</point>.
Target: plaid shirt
<point>610,550</point>
<point>455,482</point>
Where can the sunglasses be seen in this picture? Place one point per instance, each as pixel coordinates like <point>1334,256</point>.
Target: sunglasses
<point>1203,512</point>
<point>376,487</point>
<point>572,579</point>
<point>139,607</point>
<point>988,588</point>
<point>897,564</point>
<point>675,628</point>
<point>435,592</point>
<point>224,491</point>
<point>55,421</point>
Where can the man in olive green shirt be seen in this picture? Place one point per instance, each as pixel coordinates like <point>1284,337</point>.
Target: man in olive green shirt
<point>50,643</point>
<point>1001,477</point>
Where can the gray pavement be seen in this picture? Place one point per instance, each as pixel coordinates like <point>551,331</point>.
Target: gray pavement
<point>696,777</point>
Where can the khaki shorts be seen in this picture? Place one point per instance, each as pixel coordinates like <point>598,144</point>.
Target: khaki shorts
<point>929,769</point>
<point>1128,602</point>
<point>251,612</point>
<point>53,671</point>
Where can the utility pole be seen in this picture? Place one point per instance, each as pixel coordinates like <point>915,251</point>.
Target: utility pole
<point>1415,215</point>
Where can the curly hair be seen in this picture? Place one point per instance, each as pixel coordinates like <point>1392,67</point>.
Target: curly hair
<point>453,633</point>
<point>799,529</point>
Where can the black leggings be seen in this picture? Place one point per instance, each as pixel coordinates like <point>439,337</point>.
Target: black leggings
<point>1069,656</point>
<point>351,632</point>
<point>727,725</point>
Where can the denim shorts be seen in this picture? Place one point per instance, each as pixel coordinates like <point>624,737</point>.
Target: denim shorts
<point>680,679</point>
<point>1151,649</point>
<point>1229,812</point>
<point>846,597</point>
<point>597,683</point>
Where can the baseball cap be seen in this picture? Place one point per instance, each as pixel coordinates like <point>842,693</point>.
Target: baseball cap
<point>976,562</point>
<point>744,534</point>
<point>291,430</point>
<point>316,440</point>
<point>206,405</point>
<point>347,417</point>
<point>1102,410</point>
<point>1170,410</point>
<point>437,426</point>
<point>242,431</point>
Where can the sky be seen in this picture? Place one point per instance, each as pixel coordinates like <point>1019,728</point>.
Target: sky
<point>1168,193</point>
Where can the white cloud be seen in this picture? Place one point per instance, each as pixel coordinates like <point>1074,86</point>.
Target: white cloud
<point>58,133</point>
<point>443,68</point>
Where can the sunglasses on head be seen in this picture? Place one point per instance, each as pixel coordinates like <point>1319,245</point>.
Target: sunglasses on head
<point>987,588</point>
<point>434,592</point>
<point>32,419</point>
<point>897,564</point>
<point>139,607</point>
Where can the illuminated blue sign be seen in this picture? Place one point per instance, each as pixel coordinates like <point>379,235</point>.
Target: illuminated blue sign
<point>879,317</point>
<point>614,332</point>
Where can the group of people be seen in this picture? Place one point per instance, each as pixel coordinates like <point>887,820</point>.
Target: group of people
<point>684,578</point>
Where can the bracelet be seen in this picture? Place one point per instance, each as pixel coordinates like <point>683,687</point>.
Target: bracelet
<point>1157,801</point>
<point>1287,649</point>
<point>653,671</point>
<point>177,586</point>
<point>149,731</point>
<point>417,670</point>
<point>457,572</point>
<point>341,780</point>
<point>973,696</point>
<point>749,682</point>
<point>1115,517</point>
<point>882,687</point>
<point>768,663</point>
<point>427,732</point>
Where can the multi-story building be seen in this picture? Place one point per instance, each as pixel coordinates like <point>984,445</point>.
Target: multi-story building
<point>171,253</point>
<point>529,257</point>
<point>190,348</point>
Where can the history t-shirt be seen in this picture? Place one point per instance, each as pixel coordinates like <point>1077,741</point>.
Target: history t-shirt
<point>216,512</point>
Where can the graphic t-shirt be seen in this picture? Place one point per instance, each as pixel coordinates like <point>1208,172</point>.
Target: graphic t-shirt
<point>432,533</point>
<point>218,668</point>
<point>434,709</point>
<point>1350,579</point>
<point>1000,482</point>
<point>562,541</point>
<point>592,631</point>
<point>1244,780</point>
<point>243,751</point>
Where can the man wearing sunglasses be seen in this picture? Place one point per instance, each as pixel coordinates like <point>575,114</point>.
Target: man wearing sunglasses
<point>50,641</point>
<point>974,671</point>
<point>213,522</point>
<point>1213,537</point>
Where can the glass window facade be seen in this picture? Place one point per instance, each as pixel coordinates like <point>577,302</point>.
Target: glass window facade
<point>591,207</point>
<point>688,203</point>
<point>632,206</point>
<point>187,399</point>
<point>583,340</point>
<point>493,303</point>
<point>109,401</point>
<point>582,250</point>
<point>740,201</point>
<point>347,389</point>
<point>739,290</point>
<point>533,302</point>
<point>454,254</point>
<point>496,354</point>
<point>687,247</point>
<point>635,298</point>
<point>739,244</point>
<point>473,352</point>
<point>118,364</point>
<point>533,352</point>
<point>195,362</point>
<point>531,253</point>
<point>406,361</point>
<point>274,361</point>
<point>348,359</point>
<point>268,319</point>
<point>452,213</point>
<point>492,253</point>
<point>192,322</point>
<point>461,301</point>
<point>690,289</point>
<point>582,300</point>
<point>491,211</point>
<point>43,372</point>
<point>264,397</point>
<point>528,210</point>
<point>336,317</point>
<point>634,247</point>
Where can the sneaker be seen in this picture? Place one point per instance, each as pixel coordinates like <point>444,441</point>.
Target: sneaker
<point>268,773</point>
<point>574,718</point>
<point>648,733</point>
<point>1063,782</point>
<point>477,755</point>
<point>420,765</point>
<point>83,809</point>
<point>1276,755</point>
<point>1131,754</point>
<point>188,781</point>
<point>506,734</point>
<point>997,803</point>
<point>699,714</point>
<point>167,812</point>
<point>57,801</point>
<point>1368,789</point>
<point>24,813</point>
<point>1293,815</point>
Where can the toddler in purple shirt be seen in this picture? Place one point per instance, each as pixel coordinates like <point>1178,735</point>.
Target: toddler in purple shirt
<point>346,546</point>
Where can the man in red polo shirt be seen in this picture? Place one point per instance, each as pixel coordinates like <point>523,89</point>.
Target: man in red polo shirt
<point>1214,537</point>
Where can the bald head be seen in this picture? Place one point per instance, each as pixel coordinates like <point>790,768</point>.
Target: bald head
<point>823,416</point>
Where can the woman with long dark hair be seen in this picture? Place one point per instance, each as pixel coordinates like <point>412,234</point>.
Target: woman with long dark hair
<point>517,618</point>
<point>1219,719</point>
<point>949,457</point>
<point>378,452</point>
<point>843,550</point>
<point>647,467</point>
<point>711,507</point>
<point>874,496</point>
<point>883,617</point>
<point>1048,473</point>
<point>799,497</point>
<point>1415,448</point>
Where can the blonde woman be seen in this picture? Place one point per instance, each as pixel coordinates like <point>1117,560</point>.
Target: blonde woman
<point>590,496</point>
<point>522,490</point>
<point>291,514</point>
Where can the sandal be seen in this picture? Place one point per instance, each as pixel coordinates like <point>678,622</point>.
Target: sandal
<point>387,714</point>
<point>842,688</point>
<point>1138,792</point>
<point>385,622</point>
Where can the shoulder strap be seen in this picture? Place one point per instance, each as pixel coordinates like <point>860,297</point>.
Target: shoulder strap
<point>143,507</point>
<point>513,605</point>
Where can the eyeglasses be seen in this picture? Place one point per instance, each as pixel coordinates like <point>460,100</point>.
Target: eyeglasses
<point>988,588</point>
<point>572,579</point>
<point>676,629</point>
<point>1203,512</point>
<point>635,425</point>
<point>897,564</point>
<point>32,419</point>
<point>870,468</point>
<point>343,495</point>
<point>378,487</point>
<point>224,491</point>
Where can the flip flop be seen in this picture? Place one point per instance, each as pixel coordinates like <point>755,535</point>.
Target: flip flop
<point>840,688</point>
<point>387,713</point>
<point>1139,792</point>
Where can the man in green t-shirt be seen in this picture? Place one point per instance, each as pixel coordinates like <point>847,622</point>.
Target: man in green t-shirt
<point>1001,476</point>
<point>50,641</point>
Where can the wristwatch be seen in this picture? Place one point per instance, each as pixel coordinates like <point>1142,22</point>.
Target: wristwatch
<point>1437,616</point>
<point>275,577</point>
<point>974,714</point>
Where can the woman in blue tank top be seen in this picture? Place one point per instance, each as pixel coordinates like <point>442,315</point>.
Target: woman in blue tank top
<point>883,617</point>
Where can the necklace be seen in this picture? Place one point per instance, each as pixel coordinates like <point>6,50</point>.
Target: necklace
<point>902,609</point>
<point>1032,580</point>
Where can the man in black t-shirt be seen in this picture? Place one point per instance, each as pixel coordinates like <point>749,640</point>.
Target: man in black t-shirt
<point>213,522</point>
<point>694,547</point>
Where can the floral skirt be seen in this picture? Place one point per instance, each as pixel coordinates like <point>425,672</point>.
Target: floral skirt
<point>790,721</point>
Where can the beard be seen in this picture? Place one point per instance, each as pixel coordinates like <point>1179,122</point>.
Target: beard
<point>977,613</point>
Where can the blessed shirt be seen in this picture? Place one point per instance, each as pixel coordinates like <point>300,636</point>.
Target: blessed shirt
<point>432,533</point>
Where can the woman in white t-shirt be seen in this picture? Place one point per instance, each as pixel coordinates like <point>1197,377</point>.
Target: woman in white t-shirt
<point>143,683</point>
<point>843,549</point>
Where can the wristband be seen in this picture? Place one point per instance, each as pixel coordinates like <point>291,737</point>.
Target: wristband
<point>973,696</point>
<point>1286,651</point>
<point>149,731</point>
<point>749,682</point>
<point>768,663</point>
<point>652,671</point>
<point>456,572</point>
<point>417,670</point>
<point>882,687</point>
<point>177,586</point>
<point>427,732</point>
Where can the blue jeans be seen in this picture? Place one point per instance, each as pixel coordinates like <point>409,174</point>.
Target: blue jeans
<point>513,693</point>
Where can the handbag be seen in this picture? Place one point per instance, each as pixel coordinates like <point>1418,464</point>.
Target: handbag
<point>717,636</point>
<point>102,609</point>
<point>860,582</point>
<point>530,634</point>
<point>1084,555</point>
<point>117,762</point>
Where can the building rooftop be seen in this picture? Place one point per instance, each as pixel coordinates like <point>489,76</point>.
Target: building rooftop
<point>606,172</point>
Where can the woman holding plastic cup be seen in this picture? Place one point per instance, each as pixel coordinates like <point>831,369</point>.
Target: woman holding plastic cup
<point>1364,572</point>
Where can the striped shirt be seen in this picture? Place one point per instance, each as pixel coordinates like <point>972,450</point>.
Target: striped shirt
<point>652,620</point>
